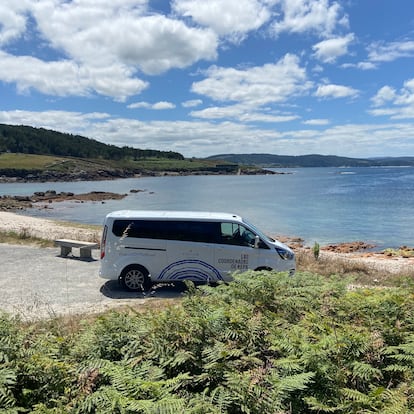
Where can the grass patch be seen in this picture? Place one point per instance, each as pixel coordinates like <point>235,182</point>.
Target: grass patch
<point>28,161</point>
<point>72,224</point>
<point>173,165</point>
<point>362,272</point>
<point>405,252</point>
<point>69,164</point>
<point>23,238</point>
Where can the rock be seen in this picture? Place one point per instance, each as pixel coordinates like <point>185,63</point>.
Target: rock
<point>10,203</point>
<point>22,198</point>
<point>350,247</point>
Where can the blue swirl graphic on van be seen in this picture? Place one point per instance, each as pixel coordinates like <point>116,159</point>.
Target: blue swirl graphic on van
<point>195,270</point>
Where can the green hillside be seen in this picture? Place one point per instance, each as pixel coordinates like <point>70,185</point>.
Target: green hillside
<point>37,154</point>
<point>312,160</point>
<point>40,141</point>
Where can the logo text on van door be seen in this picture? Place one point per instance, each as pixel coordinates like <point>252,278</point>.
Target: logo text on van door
<point>236,264</point>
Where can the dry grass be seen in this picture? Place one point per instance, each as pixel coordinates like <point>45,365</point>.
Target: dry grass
<point>364,271</point>
<point>72,323</point>
<point>23,237</point>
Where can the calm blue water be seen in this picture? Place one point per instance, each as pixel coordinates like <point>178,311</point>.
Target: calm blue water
<point>326,205</point>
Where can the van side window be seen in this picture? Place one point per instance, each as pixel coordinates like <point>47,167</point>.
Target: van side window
<point>195,231</point>
<point>236,234</point>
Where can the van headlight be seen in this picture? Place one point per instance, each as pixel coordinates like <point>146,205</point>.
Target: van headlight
<point>285,254</point>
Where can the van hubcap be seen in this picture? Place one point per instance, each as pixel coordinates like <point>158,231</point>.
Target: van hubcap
<point>134,279</point>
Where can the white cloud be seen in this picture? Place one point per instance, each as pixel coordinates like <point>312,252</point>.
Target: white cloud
<point>163,105</point>
<point>387,52</point>
<point>394,104</point>
<point>192,103</point>
<point>380,52</point>
<point>316,122</point>
<point>335,91</point>
<point>217,112</point>
<point>242,113</point>
<point>105,45</point>
<point>230,18</point>
<point>12,20</point>
<point>255,86</point>
<point>385,94</point>
<point>360,65</point>
<point>63,121</point>
<point>156,106</point>
<point>329,50</point>
<point>317,16</point>
<point>66,78</point>
<point>138,105</point>
<point>406,96</point>
<point>102,33</point>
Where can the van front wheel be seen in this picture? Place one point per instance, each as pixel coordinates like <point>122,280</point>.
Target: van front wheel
<point>135,278</point>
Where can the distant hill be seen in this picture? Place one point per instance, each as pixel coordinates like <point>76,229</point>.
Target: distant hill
<point>30,154</point>
<point>28,140</point>
<point>312,160</point>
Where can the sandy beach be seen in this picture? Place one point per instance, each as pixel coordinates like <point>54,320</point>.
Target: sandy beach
<point>46,229</point>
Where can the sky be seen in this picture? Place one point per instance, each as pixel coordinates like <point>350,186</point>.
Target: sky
<point>206,77</point>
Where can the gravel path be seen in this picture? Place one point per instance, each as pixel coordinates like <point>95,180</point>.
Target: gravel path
<point>37,283</point>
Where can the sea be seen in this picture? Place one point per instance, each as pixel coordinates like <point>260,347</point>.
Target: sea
<point>323,205</point>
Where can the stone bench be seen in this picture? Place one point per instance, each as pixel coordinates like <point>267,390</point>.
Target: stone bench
<point>84,247</point>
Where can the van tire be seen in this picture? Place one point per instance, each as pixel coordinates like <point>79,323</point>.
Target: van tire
<point>135,278</point>
<point>265,268</point>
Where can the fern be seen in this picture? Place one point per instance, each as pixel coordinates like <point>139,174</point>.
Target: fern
<point>356,396</point>
<point>324,407</point>
<point>265,343</point>
<point>365,372</point>
<point>7,382</point>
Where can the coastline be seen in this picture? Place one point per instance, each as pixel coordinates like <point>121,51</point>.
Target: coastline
<point>49,229</point>
<point>29,176</point>
<point>317,205</point>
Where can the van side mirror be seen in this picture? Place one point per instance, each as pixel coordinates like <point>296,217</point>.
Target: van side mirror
<point>256,242</point>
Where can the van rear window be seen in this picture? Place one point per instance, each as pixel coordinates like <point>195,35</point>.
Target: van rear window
<point>196,231</point>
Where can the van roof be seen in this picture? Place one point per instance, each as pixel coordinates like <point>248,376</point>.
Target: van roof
<point>173,215</point>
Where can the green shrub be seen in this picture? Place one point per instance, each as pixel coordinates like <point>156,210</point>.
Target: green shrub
<point>316,250</point>
<point>264,343</point>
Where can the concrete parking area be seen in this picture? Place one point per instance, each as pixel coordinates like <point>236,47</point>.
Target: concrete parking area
<point>38,283</point>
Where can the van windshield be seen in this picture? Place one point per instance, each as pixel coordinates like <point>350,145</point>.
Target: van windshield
<point>258,232</point>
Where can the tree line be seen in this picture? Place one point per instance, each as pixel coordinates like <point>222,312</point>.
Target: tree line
<point>41,141</point>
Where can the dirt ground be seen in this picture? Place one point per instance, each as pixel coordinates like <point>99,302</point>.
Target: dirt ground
<point>37,283</point>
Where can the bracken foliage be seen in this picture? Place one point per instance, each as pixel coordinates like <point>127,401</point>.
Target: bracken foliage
<point>265,343</point>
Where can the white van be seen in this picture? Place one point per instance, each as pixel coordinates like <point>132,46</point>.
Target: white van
<point>143,247</point>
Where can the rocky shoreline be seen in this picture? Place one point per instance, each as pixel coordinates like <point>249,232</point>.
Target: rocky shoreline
<point>15,203</point>
<point>36,176</point>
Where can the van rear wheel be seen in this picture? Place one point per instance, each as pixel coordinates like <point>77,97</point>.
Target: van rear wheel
<point>135,278</point>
